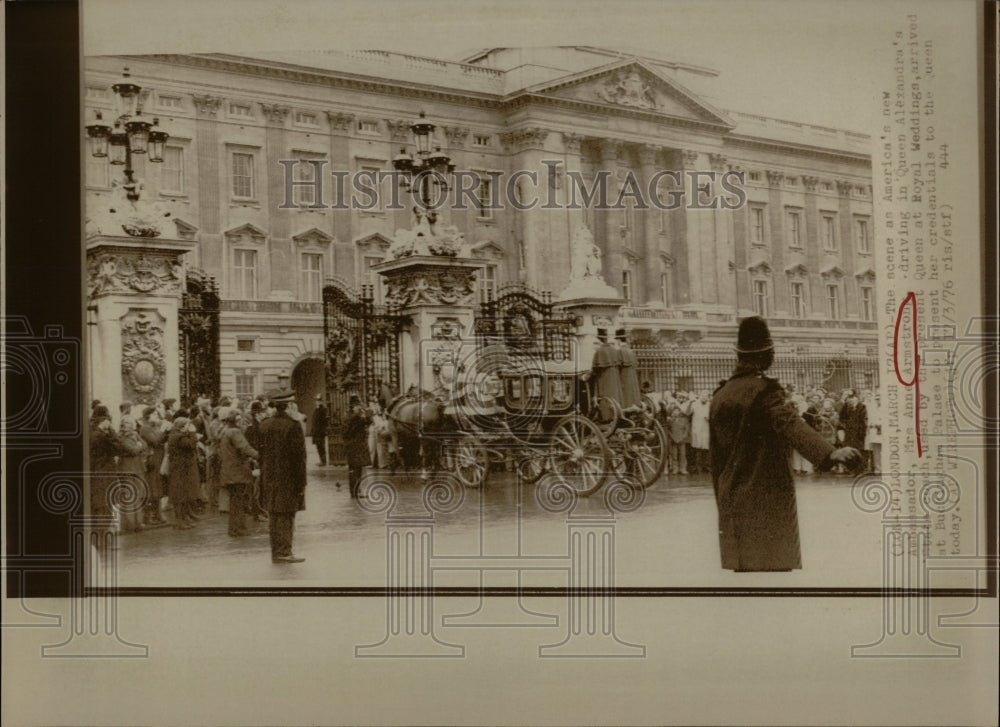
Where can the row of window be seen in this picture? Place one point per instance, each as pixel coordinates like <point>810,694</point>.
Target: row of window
<point>798,297</point>
<point>243,181</point>
<point>762,297</point>
<point>829,233</point>
<point>244,280</point>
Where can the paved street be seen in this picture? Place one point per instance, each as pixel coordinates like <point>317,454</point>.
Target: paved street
<point>668,541</point>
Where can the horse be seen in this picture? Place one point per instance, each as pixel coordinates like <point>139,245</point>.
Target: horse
<point>413,420</point>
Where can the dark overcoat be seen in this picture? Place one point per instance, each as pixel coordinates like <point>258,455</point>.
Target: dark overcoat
<point>155,438</point>
<point>282,464</point>
<point>752,427</point>
<point>105,446</point>
<point>235,456</point>
<point>183,479</point>
<point>628,369</point>
<point>854,422</point>
<point>320,422</point>
<point>356,438</point>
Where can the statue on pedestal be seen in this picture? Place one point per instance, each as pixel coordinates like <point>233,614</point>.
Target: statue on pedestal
<point>585,278</point>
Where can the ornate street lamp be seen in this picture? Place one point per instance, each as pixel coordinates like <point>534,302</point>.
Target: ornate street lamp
<point>132,134</point>
<point>428,167</point>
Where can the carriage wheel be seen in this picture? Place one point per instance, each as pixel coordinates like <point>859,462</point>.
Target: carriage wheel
<point>470,462</point>
<point>645,452</point>
<point>605,412</point>
<point>580,452</point>
<point>533,463</point>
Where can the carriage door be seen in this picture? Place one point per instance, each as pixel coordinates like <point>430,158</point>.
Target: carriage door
<point>362,347</point>
<point>198,327</point>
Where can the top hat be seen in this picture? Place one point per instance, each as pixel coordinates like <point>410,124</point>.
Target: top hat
<point>620,334</point>
<point>602,334</point>
<point>354,400</point>
<point>279,395</point>
<point>754,336</point>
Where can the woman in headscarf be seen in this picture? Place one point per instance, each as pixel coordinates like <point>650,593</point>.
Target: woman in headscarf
<point>133,462</point>
<point>184,482</point>
<point>105,447</point>
<point>154,432</point>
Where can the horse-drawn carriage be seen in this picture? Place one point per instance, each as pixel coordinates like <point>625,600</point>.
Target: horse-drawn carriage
<point>519,408</point>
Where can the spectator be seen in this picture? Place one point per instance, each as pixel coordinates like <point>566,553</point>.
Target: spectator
<point>236,470</point>
<point>700,431</point>
<point>132,462</point>
<point>321,421</point>
<point>873,438</point>
<point>153,431</point>
<point>678,433</point>
<point>183,481</point>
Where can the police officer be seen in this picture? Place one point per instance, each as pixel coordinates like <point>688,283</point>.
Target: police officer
<point>282,474</point>
<point>752,427</point>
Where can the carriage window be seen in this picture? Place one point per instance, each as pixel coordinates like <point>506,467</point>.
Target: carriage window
<point>513,390</point>
<point>534,387</point>
<point>560,390</point>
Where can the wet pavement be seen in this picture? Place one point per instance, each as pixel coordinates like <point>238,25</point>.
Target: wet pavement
<point>667,540</point>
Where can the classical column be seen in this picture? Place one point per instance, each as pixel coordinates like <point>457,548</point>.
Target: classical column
<point>612,154</point>
<point>691,224</point>
<point>207,164</point>
<point>811,244</point>
<point>276,148</point>
<point>526,146</point>
<point>649,158</point>
<point>337,195</point>
<point>851,295</point>
<point>778,241</point>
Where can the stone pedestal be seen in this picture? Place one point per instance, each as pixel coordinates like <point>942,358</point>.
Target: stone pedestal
<point>591,313</point>
<point>439,295</point>
<point>134,290</point>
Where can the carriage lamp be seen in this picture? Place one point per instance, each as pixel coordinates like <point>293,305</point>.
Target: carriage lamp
<point>425,165</point>
<point>131,134</point>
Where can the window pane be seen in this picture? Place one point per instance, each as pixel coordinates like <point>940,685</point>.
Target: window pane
<point>172,169</point>
<point>243,175</point>
<point>312,277</point>
<point>245,274</point>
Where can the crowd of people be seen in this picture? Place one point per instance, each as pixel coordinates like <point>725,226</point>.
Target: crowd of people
<point>847,418</point>
<point>181,464</point>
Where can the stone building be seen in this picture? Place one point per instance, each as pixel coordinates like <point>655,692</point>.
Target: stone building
<point>799,250</point>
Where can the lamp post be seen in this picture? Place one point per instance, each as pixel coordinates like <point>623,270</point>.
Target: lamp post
<point>132,134</point>
<point>427,168</point>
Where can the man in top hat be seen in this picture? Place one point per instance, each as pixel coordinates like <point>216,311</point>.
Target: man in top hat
<point>628,370</point>
<point>282,474</point>
<point>605,374</point>
<point>752,426</point>
<point>320,423</point>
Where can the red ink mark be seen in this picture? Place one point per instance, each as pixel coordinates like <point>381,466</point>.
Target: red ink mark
<point>911,298</point>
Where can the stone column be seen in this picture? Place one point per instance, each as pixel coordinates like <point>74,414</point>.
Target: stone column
<point>338,197</point>
<point>692,225</point>
<point>526,146</point>
<point>851,294</point>
<point>210,182</point>
<point>610,242</point>
<point>649,159</point>
<point>134,291</point>
<point>439,295</point>
<point>282,265</point>
<point>778,241</point>
<point>812,244</point>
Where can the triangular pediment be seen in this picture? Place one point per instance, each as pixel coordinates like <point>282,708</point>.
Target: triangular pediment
<point>313,236</point>
<point>631,85</point>
<point>375,241</point>
<point>833,271</point>
<point>487,250</point>
<point>185,230</point>
<point>866,275</point>
<point>798,270</point>
<point>246,233</point>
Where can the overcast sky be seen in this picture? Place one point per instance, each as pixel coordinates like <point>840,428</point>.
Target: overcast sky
<point>810,61</point>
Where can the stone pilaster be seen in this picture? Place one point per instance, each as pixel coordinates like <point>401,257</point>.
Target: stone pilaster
<point>649,163</point>
<point>609,239</point>
<point>340,160</point>
<point>779,241</point>
<point>283,264</point>
<point>851,292</point>
<point>526,147</point>
<point>811,244</point>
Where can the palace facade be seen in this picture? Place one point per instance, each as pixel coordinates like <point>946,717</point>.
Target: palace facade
<point>799,250</point>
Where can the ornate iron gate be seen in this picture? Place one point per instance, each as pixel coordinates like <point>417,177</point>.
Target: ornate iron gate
<point>362,349</point>
<point>523,321</point>
<point>198,326</point>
